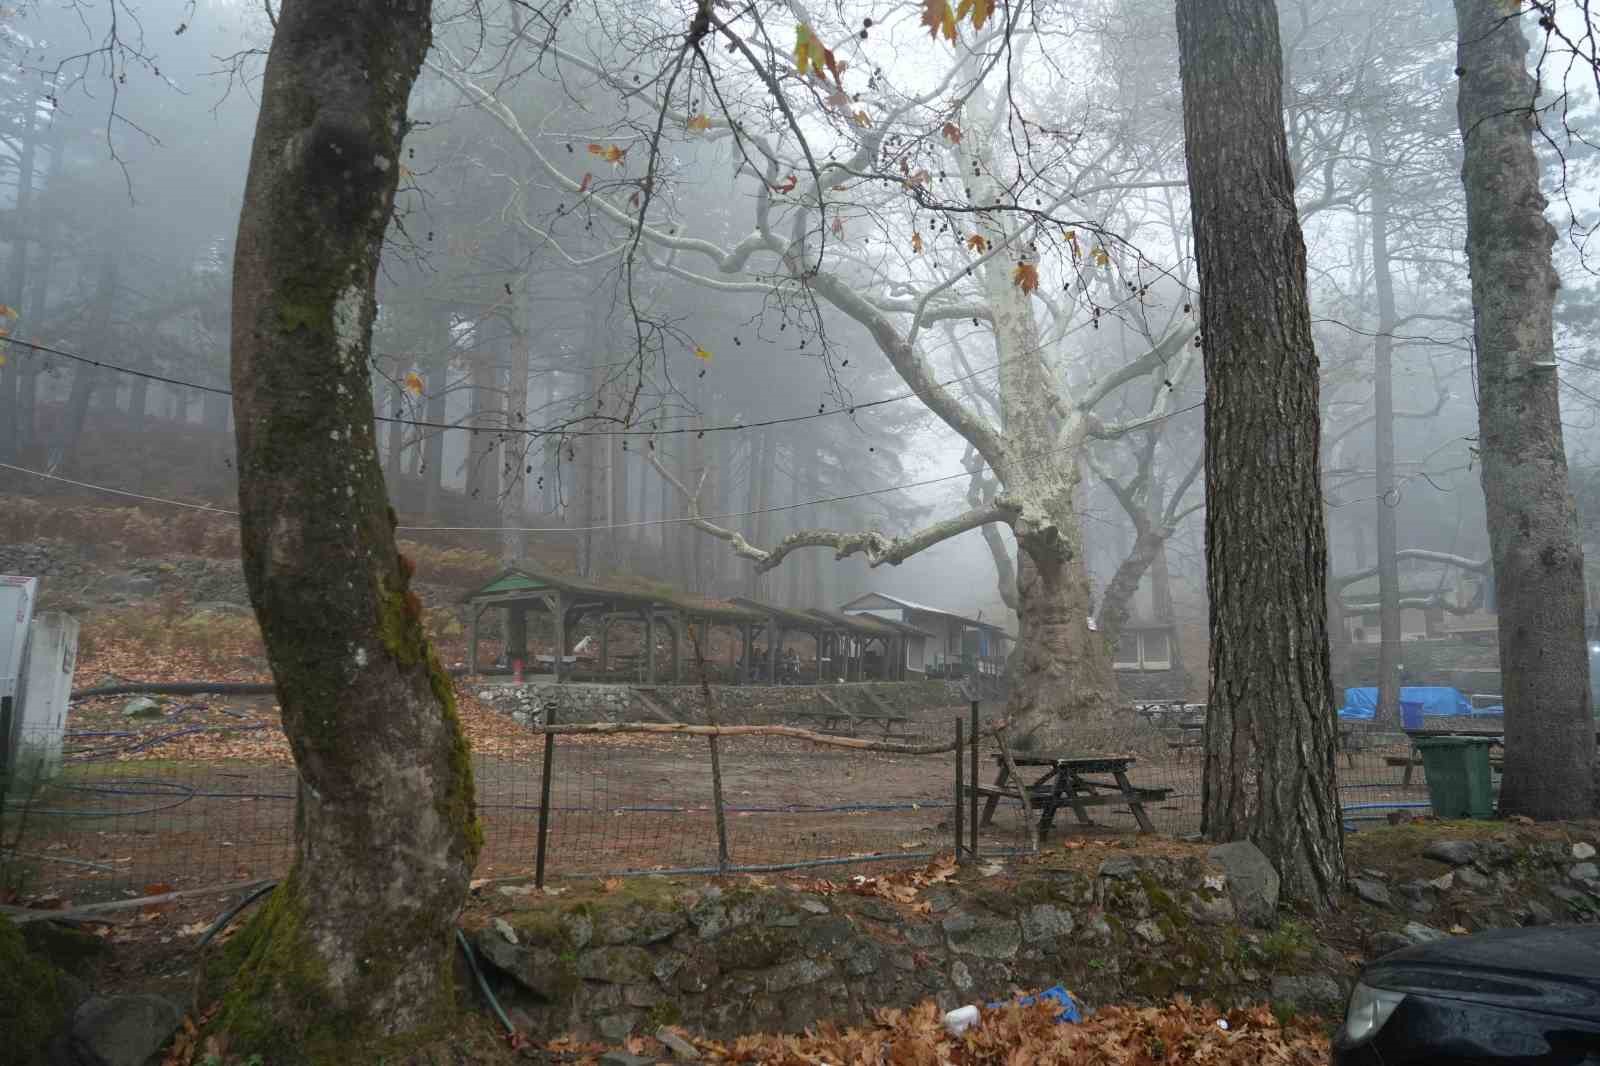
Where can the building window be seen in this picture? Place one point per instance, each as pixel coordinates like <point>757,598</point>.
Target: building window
<point>1156,653</point>
<point>1127,656</point>
<point>1143,650</point>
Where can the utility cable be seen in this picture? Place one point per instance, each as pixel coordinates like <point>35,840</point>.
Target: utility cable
<point>846,409</point>
<point>599,528</point>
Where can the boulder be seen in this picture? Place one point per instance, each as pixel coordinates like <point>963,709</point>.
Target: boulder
<point>1314,995</point>
<point>1150,932</point>
<point>124,586</point>
<point>1453,852</point>
<point>537,969</point>
<point>1370,892</point>
<point>1536,913</point>
<point>1121,867</point>
<point>1582,851</point>
<point>794,974</point>
<point>141,707</point>
<point>123,1030</point>
<point>1417,933</point>
<point>1383,942</point>
<point>1044,922</point>
<point>1586,873</point>
<point>987,939</point>
<point>1252,882</point>
<point>616,965</point>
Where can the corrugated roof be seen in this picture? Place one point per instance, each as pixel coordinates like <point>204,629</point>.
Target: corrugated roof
<point>913,606</point>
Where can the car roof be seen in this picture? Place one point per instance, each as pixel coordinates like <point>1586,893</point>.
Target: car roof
<point>1569,952</point>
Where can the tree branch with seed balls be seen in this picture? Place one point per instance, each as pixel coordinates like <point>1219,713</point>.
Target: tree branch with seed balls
<point>877,548</point>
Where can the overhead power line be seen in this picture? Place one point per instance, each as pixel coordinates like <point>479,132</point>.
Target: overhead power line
<point>730,427</point>
<point>846,409</point>
<point>585,529</point>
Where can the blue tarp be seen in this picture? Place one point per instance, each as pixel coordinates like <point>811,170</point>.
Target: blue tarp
<point>1433,700</point>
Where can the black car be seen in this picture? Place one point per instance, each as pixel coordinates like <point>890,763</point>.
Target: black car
<point>1511,995</point>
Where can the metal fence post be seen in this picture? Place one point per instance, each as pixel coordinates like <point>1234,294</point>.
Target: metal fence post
<point>960,815</point>
<point>972,742</point>
<point>544,793</point>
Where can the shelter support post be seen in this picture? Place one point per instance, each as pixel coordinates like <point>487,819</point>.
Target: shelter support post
<point>650,647</point>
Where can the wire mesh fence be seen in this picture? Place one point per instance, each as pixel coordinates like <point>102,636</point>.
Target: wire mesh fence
<point>107,818</point>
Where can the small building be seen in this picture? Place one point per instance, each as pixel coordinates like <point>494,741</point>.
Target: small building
<point>1146,662</point>
<point>953,645</point>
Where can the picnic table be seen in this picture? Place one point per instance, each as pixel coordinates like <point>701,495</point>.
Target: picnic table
<point>1191,738</point>
<point>836,718</point>
<point>1066,783</point>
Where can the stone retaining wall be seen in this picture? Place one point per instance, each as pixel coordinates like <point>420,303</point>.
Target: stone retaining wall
<point>926,703</point>
<point>611,959</point>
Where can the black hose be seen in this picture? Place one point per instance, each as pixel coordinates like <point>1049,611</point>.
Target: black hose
<point>176,688</point>
<point>488,994</point>
<point>233,912</point>
<point>195,688</point>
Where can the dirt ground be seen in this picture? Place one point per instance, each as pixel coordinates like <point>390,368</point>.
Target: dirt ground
<point>205,793</point>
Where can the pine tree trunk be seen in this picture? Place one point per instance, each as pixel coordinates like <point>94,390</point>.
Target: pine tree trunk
<point>517,450</point>
<point>395,434</point>
<point>434,412</point>
<point>356,944</point>
<point>86,379</point>
<point>481,452</point>
<point>1388,711</point>
<point>16,286</point>
<point>1270,736</point>
<point>1533,528</point>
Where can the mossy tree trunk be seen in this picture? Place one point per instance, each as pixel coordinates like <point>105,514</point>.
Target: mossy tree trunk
<point>1270,736</point>
<point>355,945</point>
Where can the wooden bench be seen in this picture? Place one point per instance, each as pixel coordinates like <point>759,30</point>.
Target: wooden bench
<point>886,719</point>
<point>1066,783</point>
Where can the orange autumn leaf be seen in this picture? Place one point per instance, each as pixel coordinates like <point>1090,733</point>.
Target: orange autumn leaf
<point>916,242</point>
<point>807,50</point>
<point>699,123</point>
<point>1102,257</point>
<point>978,243</point>
<point>862,119</point>
<point>980,10</point>
<point>940,19</point>
<point>952,133</point>
<point>1025,277</point>
<point>413,382</point>
<point>610,153</point>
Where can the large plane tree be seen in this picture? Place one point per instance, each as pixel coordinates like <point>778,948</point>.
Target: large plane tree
<point>954,198</point>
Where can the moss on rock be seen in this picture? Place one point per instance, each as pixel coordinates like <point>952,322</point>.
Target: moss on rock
<point>32,1001</point>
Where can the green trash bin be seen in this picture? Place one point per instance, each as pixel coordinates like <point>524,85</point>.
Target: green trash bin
<point>1458,776</point>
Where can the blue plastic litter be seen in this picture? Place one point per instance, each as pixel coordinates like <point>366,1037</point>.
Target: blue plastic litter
<point>1359,703</point>
<point>1069,1012</point>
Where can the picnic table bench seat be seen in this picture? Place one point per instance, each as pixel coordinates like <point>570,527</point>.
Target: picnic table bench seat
<point>1066,783</point>
<point>832,719</point>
